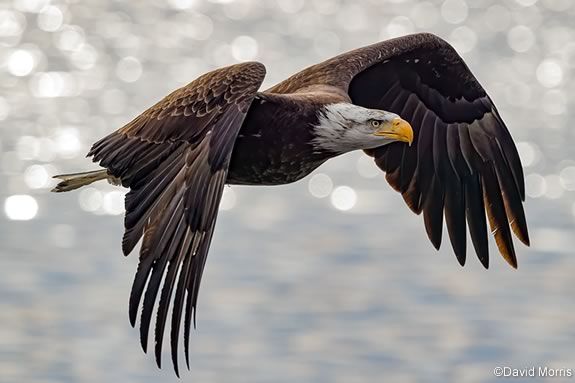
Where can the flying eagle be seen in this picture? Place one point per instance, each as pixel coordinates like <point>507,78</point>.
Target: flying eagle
<point>449,154</point>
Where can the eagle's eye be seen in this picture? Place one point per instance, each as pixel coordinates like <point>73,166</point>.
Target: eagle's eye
<point>375,123</point>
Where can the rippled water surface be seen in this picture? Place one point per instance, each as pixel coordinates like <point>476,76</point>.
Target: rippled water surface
<point>331,279</point>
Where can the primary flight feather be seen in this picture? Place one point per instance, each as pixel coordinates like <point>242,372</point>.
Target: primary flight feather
<point>411,103</point>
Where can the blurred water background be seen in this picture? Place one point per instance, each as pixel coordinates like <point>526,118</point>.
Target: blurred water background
<point>331,279</point>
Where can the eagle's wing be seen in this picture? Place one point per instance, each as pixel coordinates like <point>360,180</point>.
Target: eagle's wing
<point>462,162</point>
<point>174,158</point>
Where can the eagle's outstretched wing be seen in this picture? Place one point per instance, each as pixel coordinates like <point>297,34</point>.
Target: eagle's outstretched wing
<point>462,162</point>
<point>174,158</point>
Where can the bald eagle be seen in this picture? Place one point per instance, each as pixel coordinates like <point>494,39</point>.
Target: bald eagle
<point>411,103</point>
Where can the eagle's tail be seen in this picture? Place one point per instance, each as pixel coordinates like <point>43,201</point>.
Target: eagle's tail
<point>75,180</point>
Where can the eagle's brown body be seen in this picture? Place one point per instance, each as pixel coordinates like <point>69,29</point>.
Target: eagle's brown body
<point>176,157</point>
<point>274,144</point>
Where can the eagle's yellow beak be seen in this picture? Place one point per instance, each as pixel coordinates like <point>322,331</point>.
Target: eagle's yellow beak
<point>397,129</point>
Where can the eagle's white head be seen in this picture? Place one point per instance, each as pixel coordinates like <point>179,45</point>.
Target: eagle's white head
<point>344,127</point>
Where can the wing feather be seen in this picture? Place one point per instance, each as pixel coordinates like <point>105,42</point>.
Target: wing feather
<point>433,212</point>
<point>496,213</point>
<point>475,212</point>
<point>455,216</point>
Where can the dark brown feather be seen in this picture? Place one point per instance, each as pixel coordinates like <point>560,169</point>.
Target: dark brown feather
<point>433,212</point>
<point>496,213</point>
<point>475,212</point>
<point>455,216</point>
